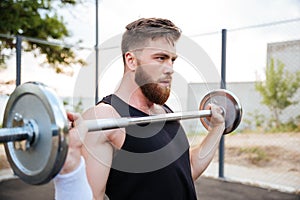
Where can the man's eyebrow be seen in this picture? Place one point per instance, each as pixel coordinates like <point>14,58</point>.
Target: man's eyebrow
<point>162,52</point>
<point>166,54</point>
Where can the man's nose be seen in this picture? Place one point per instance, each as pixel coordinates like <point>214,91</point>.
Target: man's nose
<point>168,68</point>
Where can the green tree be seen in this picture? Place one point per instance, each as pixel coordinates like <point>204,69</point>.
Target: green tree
<point>35,19</point>
<point>278,89</point>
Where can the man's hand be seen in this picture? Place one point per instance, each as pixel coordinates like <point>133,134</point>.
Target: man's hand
<point>76,136</point>
<point>217,117</point>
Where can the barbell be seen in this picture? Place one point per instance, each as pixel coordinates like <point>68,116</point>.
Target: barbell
<point>35,128</point>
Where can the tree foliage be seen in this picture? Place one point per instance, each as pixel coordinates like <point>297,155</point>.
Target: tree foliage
<point>278,89</point>
<point>35,19</point>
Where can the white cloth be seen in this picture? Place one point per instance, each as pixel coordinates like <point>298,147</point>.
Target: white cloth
<point>73,185</point>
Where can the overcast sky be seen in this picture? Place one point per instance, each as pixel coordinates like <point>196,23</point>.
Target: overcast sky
<point>192,16</point>
<point>246,49</point>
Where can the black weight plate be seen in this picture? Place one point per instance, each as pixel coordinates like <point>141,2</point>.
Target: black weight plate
<point>231,105</point>
<point>44,159</point>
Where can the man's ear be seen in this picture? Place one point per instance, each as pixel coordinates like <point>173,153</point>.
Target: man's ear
<point>130,60</point>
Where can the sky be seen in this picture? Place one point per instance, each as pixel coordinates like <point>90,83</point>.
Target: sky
<point>246,49</point>
<point>192,16</point>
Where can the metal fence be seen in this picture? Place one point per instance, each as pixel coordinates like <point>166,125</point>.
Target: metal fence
<point>252,154</point>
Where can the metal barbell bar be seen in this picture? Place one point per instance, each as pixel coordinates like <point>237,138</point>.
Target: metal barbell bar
<point>36,128</point>
<point>13,134</point>
<point>25,132</point>
<point>106,124</point>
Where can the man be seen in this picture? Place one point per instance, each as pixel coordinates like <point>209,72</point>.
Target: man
<point>151,161</point>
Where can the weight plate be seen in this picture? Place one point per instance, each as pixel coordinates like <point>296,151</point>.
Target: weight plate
<point>45,157</point>
<point>231,105</point>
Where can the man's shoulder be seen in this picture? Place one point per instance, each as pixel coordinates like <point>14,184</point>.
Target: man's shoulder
<point>101,110</point>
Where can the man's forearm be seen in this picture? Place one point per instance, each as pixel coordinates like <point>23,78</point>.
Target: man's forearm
<point>202,154</point>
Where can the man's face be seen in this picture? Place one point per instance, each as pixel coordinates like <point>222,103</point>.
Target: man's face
<point>155,69</point>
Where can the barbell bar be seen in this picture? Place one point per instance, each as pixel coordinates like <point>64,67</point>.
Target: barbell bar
<point>27,131</point>
<point>35,133</point>
<point>111,123</point>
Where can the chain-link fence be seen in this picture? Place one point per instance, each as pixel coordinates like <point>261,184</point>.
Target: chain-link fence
<point>256,153</point>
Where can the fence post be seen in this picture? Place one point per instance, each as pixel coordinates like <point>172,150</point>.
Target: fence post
<point>96,56</point>
<point>223,86</point>
<point>18,59</point>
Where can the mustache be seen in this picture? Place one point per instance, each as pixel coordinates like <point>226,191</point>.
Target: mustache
<point>167,78</point>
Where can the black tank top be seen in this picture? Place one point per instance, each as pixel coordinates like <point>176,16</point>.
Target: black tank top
<point>154,161</point>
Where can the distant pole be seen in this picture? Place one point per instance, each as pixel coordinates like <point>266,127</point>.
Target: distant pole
<point>18,59</point>
<point>96,52</point>
<point>223,86</point>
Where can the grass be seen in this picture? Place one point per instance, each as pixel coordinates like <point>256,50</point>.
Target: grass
<point>256,155</point>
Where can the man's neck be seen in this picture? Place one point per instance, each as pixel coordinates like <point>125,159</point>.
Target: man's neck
<point>133,95</point>
<point>135,98</point>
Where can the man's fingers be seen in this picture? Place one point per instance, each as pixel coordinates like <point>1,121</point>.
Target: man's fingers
<point>73,116</point>
<point>217,114</point>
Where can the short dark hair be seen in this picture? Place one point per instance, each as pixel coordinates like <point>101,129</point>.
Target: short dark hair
<point>139,32</point>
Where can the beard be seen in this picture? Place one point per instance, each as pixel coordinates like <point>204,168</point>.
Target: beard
<point>151,89</point>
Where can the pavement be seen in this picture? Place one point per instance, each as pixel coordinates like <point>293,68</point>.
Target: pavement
<point>218,189</point>
<point>288,182</point>
<point>259,185</point>
<point>207,189</point>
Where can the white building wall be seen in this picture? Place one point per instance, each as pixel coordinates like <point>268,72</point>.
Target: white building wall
<point>249,98</point>
<point>287,52</point>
